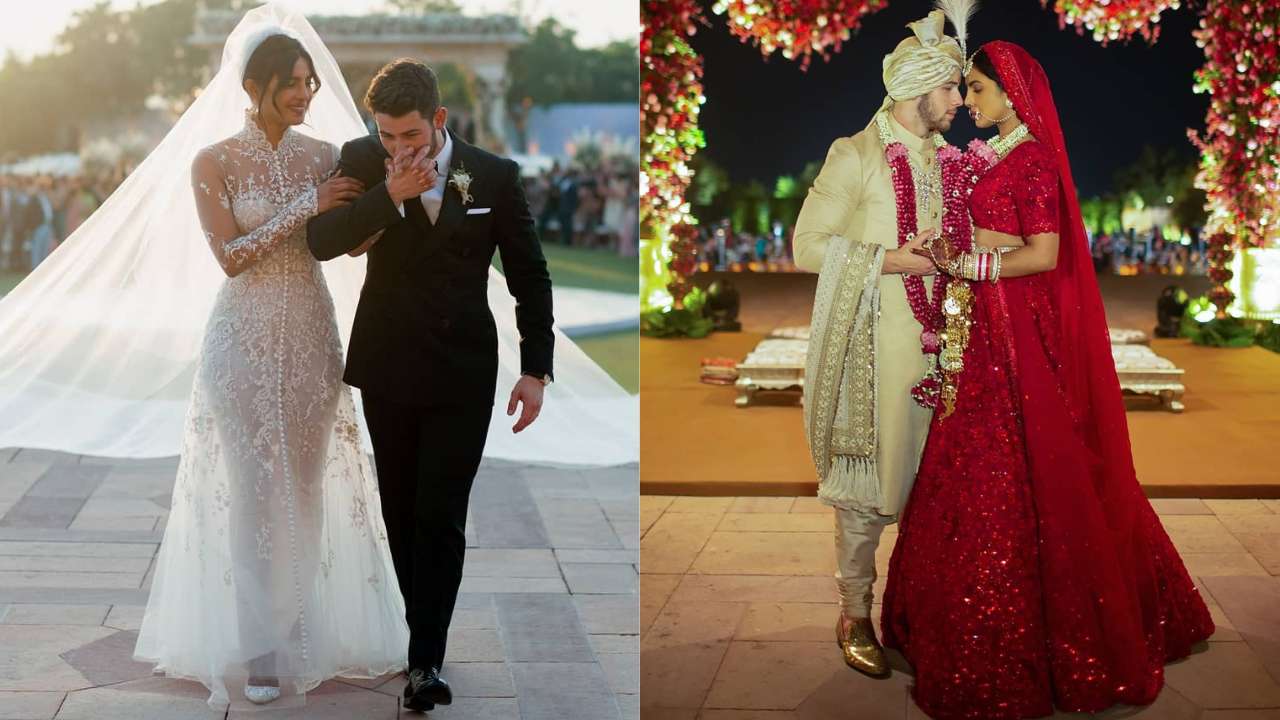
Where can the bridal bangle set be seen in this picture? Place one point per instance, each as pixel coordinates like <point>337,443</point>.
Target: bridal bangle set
<point>981,265</point>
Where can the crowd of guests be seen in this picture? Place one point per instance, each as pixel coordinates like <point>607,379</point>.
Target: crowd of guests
<point>38,212</point>
<point>587,208</point>
<point>1133,253</point>
<point>720,248</point>
<point>595,209</point>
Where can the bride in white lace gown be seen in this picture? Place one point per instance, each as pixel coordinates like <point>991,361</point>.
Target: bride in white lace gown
<point>274,573</point>
<point>130,341</point>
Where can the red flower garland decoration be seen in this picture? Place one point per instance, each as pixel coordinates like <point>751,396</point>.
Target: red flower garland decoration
<point>799,28</point>
<point>960,172</point>
<point>1240,150</point>
<point>1113,19</point>
<point>670,99</point>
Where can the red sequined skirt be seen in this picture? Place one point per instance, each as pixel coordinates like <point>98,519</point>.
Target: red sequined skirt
<point>1020,582</point>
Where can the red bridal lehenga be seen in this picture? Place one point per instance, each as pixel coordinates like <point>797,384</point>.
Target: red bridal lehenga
<point>1030,570</point>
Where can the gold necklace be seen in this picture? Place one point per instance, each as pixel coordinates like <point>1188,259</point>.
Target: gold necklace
<point>1003,144</point>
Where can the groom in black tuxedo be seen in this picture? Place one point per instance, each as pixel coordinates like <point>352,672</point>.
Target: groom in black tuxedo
<point>424,348</point>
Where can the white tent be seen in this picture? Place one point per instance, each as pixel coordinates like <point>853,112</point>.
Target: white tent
<point>65,163</point>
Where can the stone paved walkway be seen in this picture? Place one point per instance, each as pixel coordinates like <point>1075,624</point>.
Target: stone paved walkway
<point>738,610</point>
<point>546,622</point>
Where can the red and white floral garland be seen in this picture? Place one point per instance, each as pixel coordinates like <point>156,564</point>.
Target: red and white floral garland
<point>960,172</point>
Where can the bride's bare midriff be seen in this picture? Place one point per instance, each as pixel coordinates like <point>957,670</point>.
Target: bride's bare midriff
<point>993,239</point>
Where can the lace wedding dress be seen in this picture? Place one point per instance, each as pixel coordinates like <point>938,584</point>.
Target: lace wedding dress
<point>99,345</point>
<point>274,562</point>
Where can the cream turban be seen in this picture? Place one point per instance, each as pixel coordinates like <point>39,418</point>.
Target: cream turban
<point>923,62</point>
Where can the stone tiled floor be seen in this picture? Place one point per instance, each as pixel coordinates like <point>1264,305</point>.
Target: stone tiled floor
<point>546,623</point>
<point>738,610</point>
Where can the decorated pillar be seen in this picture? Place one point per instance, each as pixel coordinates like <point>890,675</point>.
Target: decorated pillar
<point>491,110</point>
<point>1240,154</point>
<point>670,100</point>
<point>1240,148</point>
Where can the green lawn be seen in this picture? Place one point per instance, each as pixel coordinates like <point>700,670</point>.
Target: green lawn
<point>592,269</point>
<point>9,280</point>
<point>570,267</point>
<point>618,353</point>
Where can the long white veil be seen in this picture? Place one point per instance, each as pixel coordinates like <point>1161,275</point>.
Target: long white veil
<point>98,345</point>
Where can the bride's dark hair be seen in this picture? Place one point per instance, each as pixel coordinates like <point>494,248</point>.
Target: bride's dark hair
<point>982,61</point>
<point>274,59</point>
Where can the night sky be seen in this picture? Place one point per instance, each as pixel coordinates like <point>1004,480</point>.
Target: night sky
<point>765,119</point>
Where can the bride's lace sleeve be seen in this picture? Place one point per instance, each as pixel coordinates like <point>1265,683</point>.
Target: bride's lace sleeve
<point>236,250</point>
<point>330,155</point>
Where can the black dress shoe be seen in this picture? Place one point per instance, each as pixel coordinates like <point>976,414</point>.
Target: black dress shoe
<point>425,690</point>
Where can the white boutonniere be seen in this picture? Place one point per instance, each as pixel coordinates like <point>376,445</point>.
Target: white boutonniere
<point>461,180</point>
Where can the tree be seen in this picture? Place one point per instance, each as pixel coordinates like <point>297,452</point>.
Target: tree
<point>1091,214</point>
<point>105,63</point>
<point>550,68</point>
<point>456,89</point>
<point>1155,176</point>
<point>710,181</point>
<point>1189,201</point>
<point>161,30</point>
<point>1165,177</point>
<point>787,197</point>
<point>612,73</point>
<point>35,86</point>
<point>808,176</point>
<point>425,6</point>
<point>1112,213</point>
<point>749,207</point>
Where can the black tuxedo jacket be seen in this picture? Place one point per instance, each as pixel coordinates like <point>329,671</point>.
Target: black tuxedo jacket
<point>423,331</point>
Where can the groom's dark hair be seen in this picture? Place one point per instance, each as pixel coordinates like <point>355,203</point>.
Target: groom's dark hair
<point>402,86</point>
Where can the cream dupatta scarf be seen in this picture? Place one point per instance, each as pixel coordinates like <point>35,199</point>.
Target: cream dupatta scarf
<point>840,375</point>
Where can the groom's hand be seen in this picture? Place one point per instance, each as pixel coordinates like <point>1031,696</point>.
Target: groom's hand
<point>936,249</point>
<point>337,191</point>
<point>410,173</point>
<point>905,260</point>
<point>528,392</point>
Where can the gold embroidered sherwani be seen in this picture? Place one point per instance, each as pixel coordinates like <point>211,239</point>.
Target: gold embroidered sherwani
<point>864,347</point>
<point>853,198</point>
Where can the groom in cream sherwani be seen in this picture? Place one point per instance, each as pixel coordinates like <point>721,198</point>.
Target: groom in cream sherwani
<point>865,431</point>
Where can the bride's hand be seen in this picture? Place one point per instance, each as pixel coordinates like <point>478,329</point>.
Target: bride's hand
<point>944,254</point>
<point>937,248</point>
<point>929,244</point>
<point>364,248</point>
<point>337,191</point>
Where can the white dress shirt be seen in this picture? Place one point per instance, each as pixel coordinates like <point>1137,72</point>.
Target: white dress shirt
<point>434,198</point>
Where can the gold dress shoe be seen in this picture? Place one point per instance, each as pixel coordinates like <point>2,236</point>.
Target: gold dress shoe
<point>861,649</point>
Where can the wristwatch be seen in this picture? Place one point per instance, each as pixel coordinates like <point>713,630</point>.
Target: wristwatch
<point>545,379</point>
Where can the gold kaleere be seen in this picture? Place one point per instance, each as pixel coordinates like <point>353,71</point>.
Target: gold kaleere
<point>957,308</point>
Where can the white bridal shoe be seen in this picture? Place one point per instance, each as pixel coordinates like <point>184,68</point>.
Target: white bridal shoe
<point>261,694</point>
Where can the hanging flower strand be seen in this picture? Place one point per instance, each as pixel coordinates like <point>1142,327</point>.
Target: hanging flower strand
<point>1240,148</point>
<point>797,28</point>
<point>670,100</point>
<point>1113,20</point>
